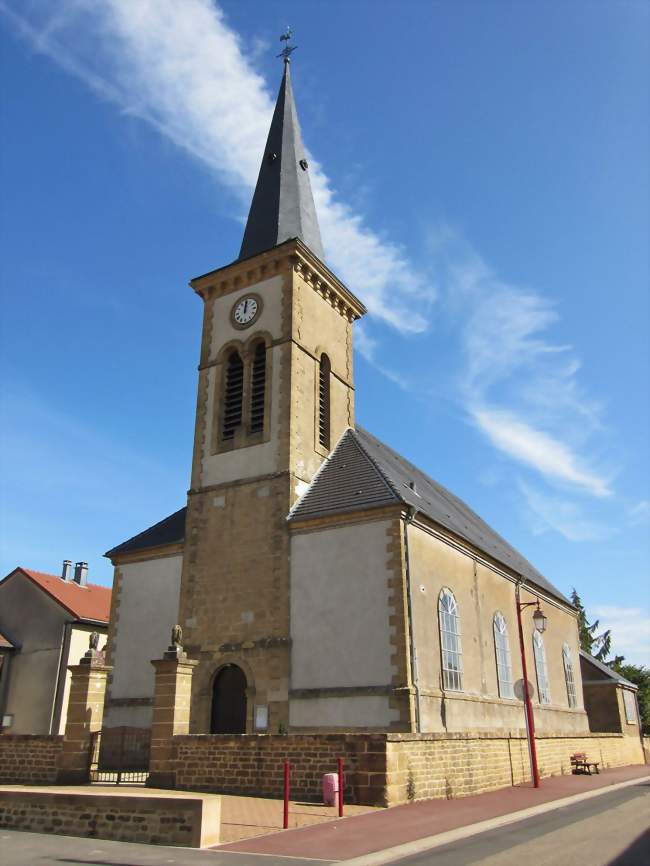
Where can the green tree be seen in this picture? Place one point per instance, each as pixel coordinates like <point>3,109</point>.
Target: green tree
<point>597,645</point>
<point>640,676</point>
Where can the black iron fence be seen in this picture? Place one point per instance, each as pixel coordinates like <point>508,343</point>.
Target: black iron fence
<point>120,755</point>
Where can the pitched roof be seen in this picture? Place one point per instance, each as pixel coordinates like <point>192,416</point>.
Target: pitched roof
<point>170,530</point>
<point>283,204</point>
<point>89,602</point>
<point>5,643</point>
<point>364,473</point>
<point>607,671</point>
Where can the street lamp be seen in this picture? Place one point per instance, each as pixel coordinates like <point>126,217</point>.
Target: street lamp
<point>540,620</point>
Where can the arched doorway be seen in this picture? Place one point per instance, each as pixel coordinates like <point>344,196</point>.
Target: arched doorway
<point>229,702</point>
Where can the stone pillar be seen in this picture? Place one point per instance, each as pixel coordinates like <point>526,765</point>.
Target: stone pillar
<point>171,712</point>
<point>85,714</point>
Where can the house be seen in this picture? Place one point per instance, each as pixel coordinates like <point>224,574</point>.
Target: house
<point>322,581</point>
<point>45,626</point>
<point>610,699</point>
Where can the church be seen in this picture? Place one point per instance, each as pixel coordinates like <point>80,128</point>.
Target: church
<point>321,581</point>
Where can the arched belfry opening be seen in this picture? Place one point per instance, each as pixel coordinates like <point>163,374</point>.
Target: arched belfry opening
<point>229,701</point>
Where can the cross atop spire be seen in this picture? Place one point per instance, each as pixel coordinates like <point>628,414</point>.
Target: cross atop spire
<point>283,203</point>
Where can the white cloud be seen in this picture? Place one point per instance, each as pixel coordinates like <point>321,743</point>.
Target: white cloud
<point>630,631</point>
<point>537,449</point>
<point>639,514</point>
<point>552,513</point>
<point>519,388</point>
<point>178,65</point>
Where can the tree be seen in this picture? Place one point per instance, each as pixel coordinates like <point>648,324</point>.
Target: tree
<point>640,676</point>
<point>597,645</point>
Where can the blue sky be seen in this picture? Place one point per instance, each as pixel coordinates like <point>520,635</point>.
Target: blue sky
<point>481,176</point>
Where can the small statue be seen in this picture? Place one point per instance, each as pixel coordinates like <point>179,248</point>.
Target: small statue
<point>93,641</point>
<point>177,635</point>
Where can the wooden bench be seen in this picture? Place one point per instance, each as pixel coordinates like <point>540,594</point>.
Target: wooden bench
<point>581,764</point>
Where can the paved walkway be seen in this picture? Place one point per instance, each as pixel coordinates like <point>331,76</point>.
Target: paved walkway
<point>388,828</point>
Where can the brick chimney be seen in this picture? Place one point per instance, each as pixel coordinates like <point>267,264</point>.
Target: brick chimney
<point>66,572</point>
<point>81,573</point>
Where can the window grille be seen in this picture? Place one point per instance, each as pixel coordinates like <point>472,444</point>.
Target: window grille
<point>452,661</point>
<point>629,700</point>
<point>502,651</point>
<point>258,387</point>
<point>233,396</point>
<point>324,401</point>
<point>540,668</point>
<point>568,676</point>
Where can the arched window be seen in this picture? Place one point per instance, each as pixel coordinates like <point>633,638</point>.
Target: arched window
<point>324,371</point>
<point>540,667</point>
<point>568,676</point>
<point>258,387</point>
<point>450,648</point>
<point>233,395</point>
<point>502,651</point>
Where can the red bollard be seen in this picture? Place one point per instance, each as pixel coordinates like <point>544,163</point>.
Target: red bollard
<point>287,785</point>
<point>340,763</point>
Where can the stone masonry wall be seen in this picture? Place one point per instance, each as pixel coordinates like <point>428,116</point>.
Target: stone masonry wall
<point>254,764</point>
<point>153,820</point>
<point>384,769</point>
<point>29,759</point>
<point>457,765</point>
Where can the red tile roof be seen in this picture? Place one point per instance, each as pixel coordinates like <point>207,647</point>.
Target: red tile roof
<point>5,643</point>
<point>83,602</point>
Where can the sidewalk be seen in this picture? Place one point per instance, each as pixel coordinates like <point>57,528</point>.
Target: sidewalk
<point>356,836</point>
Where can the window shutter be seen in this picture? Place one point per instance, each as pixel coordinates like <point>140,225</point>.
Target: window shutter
<point>233,396</point>
<point>258,388</point>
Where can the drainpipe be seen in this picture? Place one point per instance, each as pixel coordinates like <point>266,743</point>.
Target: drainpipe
<point>412,512</point>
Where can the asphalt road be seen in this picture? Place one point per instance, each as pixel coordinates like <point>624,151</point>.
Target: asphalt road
<point>610,830</point>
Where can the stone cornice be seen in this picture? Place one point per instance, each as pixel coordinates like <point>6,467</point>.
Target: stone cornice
<point>292,253</point>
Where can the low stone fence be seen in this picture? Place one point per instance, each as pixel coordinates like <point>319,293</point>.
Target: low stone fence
<point>384,769</point>
<point>187,821</point>
<point>253,763</point>
<point>422,766</point>
<point>29,759</point>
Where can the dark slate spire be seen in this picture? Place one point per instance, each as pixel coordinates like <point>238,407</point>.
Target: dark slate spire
<point>283,204</point>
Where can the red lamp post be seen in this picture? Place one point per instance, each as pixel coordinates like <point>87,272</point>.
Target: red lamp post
<point>540,621</point>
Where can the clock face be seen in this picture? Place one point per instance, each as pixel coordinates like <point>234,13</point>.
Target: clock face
<point>245,311</point>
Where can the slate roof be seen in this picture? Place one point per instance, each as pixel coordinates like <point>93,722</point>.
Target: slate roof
<point>283,204</point>
<point>90,602</point>
<point>607,671</point>
<point>363,473</point>
<point>170,530</point>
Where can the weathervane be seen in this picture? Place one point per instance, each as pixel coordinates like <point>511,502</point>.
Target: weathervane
<point>288,49</point>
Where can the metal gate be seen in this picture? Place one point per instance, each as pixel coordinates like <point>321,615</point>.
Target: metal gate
<point>120,755</point>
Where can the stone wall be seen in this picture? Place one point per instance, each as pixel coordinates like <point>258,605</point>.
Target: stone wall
<point>457,765</point>
<point>253,764</point>
<point>29,759</point>
<point>190,822</point>
<point>384,769</point>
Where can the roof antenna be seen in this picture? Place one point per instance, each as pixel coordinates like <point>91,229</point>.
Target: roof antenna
<point>286,52</point>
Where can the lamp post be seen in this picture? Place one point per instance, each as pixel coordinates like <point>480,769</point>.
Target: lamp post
<point>540,620</point>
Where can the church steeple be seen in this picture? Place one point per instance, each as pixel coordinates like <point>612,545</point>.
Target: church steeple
<point>283,204</point>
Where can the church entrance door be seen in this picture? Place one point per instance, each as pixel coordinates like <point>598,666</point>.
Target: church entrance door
<point>229,702</point>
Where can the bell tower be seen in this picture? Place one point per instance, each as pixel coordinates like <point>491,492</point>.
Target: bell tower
<point>275,394</point>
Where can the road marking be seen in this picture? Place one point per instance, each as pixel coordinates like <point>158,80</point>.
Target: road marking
<point>428,843</point>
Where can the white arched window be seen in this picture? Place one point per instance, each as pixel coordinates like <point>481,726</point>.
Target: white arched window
<point>450,648</point>
<point>568,676</point>
<point>502,652</point>
<point>540,667</point>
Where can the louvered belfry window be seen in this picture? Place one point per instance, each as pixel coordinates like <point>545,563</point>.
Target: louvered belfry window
<point>258,388</point>
<point>233,396</point>
<point>324,401</point>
